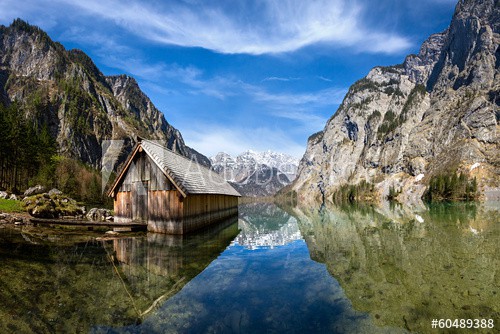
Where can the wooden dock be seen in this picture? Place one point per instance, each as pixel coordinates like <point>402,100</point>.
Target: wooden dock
<point>117,227</point>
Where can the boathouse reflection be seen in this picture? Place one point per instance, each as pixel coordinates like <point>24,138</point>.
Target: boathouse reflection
<point>156,267</point>
<point>71,283</point>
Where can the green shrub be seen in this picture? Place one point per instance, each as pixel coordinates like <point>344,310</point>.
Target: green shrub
<point>363,191</point>
<point>389,124</point>
<point>364,84</point>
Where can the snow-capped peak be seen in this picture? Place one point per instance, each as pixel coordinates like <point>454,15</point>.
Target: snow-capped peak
<point>239,167</point>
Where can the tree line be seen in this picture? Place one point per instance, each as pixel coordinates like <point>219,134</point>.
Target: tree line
<point>28,156</point>
<point>451,186</point>
<point>26,148</point>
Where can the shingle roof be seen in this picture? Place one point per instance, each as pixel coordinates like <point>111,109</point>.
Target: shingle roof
<point>187,174</point>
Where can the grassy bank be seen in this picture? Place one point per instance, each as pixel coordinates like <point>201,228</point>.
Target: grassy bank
<point>7,205</point>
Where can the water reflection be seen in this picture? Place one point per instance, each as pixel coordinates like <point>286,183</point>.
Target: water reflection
<point>406,267</point>
<point>264,225</point>
<point>375,270</point>
<point>53,282</point>
<point>265,282</point>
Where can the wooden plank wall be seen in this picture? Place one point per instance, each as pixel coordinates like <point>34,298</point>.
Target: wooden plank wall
<point>165,205</point>
<point>201,204</point>
<point>161,193</point>
<point>198,211</point>
<point>123,207</point>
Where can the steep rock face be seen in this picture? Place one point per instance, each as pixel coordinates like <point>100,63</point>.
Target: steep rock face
<point>81,107</point>
<point>126,90</point>
<point>437,111</point>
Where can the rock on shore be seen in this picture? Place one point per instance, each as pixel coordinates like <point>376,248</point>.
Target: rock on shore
<point>52,206</point>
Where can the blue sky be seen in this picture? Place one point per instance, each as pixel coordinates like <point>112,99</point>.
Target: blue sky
<point>237,75</point>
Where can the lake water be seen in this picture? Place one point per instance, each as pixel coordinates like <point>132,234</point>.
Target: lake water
<point>271,270</point>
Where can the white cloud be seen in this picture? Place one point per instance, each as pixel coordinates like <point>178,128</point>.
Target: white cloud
<point>301,108</point>
<point>210,139</point>
<point>273,26</point>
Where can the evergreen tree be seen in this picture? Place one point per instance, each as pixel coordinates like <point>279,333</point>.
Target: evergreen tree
<point>451,186</point>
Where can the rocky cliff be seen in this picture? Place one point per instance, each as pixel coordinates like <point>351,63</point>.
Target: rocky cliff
<point>81,107</point>
<point>436,112</point>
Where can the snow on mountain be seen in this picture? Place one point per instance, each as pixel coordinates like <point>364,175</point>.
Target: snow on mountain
<point>256,173</point>
<point>285,163</point>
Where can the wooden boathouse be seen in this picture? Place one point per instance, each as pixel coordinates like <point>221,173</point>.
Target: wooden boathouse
<point>170,192</point>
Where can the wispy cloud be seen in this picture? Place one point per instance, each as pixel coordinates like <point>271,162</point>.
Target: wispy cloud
<point>280,79</point>
<point>324,78</point>
<point>250,27</point>
<point>330,96</point>
<point>310,121</point>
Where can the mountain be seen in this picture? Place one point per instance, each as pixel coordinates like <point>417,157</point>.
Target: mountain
<point>65,91</point>
<point>264,225</point>
<point>256,173</point>
<point>437,112</point>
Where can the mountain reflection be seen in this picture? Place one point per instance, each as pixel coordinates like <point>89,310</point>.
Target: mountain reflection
<point>407,267</point>
<point>264,225</point>
<point>63,283</point>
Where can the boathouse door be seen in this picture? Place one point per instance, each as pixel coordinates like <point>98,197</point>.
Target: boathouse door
<point>140,201</point>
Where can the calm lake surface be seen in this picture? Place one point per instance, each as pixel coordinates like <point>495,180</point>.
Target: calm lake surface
<point>270,270</point>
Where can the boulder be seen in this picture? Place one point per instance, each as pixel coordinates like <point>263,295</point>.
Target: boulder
<point>51,206</point>
<point>96,214</point>
<point>54,191</point>
<point>4,195</point>
<point>14,197</point>
<point>38,189</point>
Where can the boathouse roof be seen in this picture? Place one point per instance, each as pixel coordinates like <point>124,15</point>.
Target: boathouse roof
<point>188,176</point>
